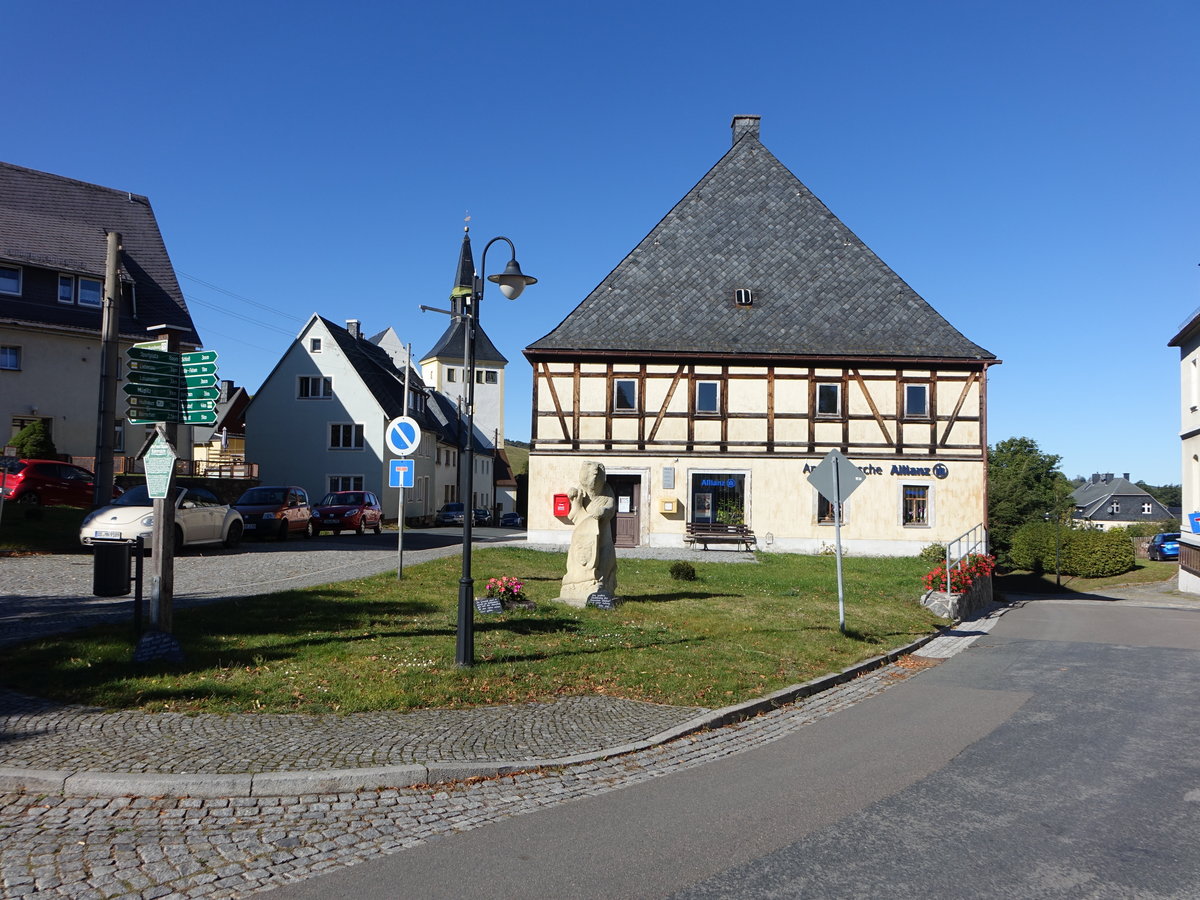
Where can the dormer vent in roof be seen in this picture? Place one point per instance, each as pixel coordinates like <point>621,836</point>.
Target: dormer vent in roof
<point>743,297</point>
<point>745,125</point>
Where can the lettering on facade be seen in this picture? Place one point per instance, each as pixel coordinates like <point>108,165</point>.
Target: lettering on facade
<point>937,471</point>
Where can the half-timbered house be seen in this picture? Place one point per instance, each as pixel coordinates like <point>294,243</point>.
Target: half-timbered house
<point>747,335</point>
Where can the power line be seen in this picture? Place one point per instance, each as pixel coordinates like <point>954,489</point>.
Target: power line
<point>237,315</point>
<point>236,296</point>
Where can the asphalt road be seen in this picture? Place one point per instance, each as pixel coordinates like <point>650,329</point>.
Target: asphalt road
<point>1055,758</point>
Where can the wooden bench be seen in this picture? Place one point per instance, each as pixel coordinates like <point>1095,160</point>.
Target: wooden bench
<point>718,533</point>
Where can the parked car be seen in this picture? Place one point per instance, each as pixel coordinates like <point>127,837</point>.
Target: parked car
<point>1164,546</point>
<point>512,520</point>
<point>200,518</point>
<point>482,516</point>
<point>47,482</point>
<point>449,514</point>
<point>275,511</point>
<point>340,511</point>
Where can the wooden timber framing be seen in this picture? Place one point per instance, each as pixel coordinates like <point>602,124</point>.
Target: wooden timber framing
<point>781,418</point>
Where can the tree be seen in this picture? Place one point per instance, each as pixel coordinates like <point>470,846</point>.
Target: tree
<point>1024,485</point>
<point>1167,494</point>
<point>33,442</point>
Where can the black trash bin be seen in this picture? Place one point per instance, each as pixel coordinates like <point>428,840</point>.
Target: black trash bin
<point>110,570</point>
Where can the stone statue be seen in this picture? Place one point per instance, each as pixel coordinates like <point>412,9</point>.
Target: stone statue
<point>591,559</point>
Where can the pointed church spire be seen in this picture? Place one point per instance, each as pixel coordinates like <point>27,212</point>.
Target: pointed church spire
<point>464,284</point>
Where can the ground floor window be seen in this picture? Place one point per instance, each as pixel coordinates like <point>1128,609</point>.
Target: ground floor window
<point>916,504</point>
<point>719,497</point>
<point>825,511</point>
<point>345,483</point>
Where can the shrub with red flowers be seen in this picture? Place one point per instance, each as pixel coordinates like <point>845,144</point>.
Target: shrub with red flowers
<point>963,574</point>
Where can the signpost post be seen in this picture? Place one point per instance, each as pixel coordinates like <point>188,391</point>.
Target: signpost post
<point>403,436</point>
<point>836,478</point>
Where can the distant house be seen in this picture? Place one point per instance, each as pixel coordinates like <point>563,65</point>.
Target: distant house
<point>745,337</point>
<point>1107,502</point>
<point>1188,342</point>
<point>220,449</point>
<point>53,247</point>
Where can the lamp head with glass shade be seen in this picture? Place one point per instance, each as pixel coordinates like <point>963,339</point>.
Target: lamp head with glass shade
<point>512,280</point>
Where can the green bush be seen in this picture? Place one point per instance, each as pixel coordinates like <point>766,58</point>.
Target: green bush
<point>1097,554</point>
<point>683,571</point>
<point>1033,546</point>
<point>933,553</point>
<point>33,442</point>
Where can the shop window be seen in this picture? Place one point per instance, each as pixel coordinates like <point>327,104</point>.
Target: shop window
<point>916,504</point>
<point>829,399</point>
<point>625,395</point>
<point>718,497</point>
<point>708,397</point>
<point>916,401</point>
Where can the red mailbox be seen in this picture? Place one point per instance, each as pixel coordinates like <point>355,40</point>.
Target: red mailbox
<point>562,505</point>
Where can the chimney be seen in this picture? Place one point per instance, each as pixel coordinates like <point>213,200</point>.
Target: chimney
<point>1126,476</point>
<point>354,326</point>
<point>1095,478</point>
<point>743,125</point>
<point>226,391</point>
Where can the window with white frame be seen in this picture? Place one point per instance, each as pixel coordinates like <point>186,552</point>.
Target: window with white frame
<point>1114,507</point>
<point>345,436</point>
<point>451,374</point>
<point>829,399</point>
<point>89,292</point>
<point>345,483</point>
<point>916,401</point>
<point>10,280</point>
<point>825,511</point>
<point>708,397</point>
<point>10,358</point>
<point>314,345</point>
<point>1147,508</point>
<point>66,288</point>
<point>915,504</point>
<point>625,395</point>
<point>314,387</point>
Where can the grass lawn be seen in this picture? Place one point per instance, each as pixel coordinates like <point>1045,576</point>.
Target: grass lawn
<point>736,632</point>
<point>1145,571</point>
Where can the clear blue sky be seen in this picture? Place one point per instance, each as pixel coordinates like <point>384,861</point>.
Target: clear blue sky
<point>1030,168</point>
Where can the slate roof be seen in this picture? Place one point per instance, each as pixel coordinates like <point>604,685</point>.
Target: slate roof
<point>450,344</point>
<point>818,290</point>
<point>1093,498</point>
<point>385,381</point>
<point>51,222</point>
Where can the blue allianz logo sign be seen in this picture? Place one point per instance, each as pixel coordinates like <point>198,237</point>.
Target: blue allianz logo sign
<point>940,471</point>
<point>718,482</point>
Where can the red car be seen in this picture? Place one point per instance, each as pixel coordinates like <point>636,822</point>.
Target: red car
<point>348,510</point>
<point>47,482</point>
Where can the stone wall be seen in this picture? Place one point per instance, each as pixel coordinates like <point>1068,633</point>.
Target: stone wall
<point>960,606</point>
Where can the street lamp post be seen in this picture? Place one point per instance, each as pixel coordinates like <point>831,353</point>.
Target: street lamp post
<point>511,281</point>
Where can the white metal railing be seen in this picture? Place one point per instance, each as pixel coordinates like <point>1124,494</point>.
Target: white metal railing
<point>972,541</point>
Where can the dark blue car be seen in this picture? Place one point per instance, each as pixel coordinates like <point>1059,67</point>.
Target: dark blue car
<point>1164,546</point>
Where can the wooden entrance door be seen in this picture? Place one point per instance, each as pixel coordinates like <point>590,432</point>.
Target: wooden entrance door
<point>627,523</point>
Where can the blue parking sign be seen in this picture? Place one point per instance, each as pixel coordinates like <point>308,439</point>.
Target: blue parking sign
<point>400,473</point>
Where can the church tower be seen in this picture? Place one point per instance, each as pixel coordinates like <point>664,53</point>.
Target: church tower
<point>443,367</point>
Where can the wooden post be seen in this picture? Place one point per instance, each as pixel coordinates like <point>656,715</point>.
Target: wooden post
<point>162,557</point>
<point>110,361</point>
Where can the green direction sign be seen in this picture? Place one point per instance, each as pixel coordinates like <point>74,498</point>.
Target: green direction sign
<point>141,416</point>
<point>152,390</point>
<point>150,404</point>
<point>160,356</point>
<point>203,393</point>
<point>200,356</point>
<point>207,417</point>
<point>199,369</point>
<point>156,368</point>
<point>200,381</point>
<point>153,378</point>
<point>199,405</point>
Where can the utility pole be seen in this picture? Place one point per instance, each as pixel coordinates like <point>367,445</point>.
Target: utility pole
<point>110,361</point>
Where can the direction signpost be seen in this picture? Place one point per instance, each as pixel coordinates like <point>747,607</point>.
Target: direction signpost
<point>182,386</point>
<point>835,478</point>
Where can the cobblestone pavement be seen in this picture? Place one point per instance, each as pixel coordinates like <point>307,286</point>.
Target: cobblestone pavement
<point>144,844</point>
